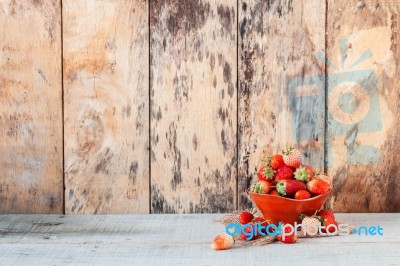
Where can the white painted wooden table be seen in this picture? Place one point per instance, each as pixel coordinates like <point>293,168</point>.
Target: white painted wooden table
<point>179,240</point>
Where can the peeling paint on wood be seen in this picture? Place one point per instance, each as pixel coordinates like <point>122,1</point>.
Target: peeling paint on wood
<point>278,42</point>
<point>193,106</point>
<point>106,106</point>
<point>362,186</point>
<point>30,107</point>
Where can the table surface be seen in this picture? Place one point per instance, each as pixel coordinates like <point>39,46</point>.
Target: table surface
<point>172,239</point>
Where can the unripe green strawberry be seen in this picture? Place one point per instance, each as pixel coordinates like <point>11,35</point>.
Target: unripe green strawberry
<point>289,187</point>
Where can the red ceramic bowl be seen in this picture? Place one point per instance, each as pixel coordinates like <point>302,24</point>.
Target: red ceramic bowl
<point>277,209</point>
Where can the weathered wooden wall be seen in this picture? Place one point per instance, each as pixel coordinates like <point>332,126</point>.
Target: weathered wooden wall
<point>168,106</point>
<point>193,106</point>
<point>106,103</point>
<point>31,162</point>
<point>371,184</point>
<point>278,43</point>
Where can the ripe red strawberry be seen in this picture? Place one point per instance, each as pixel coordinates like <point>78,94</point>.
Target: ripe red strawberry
<point>283,173</point>
<point>265,173</point>
<point>302,194</point>
<point>276,161</point>
<point>221,242</point>
<point>289,239</point>
<point>289,187</point>
<point>318,187</point>
<point>304,173</point>
<point>332,228</point>
<point>258,220</point>
<point>326,214</point>
<point>292,157</point>
<point>325,178</point>
<point>262,187</point>
<point>262,222</point>
<point>248,230</point>
<point>274,192</point>
<point>245,217</point>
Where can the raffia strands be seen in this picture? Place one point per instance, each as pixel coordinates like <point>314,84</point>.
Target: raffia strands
<point>233,217</point>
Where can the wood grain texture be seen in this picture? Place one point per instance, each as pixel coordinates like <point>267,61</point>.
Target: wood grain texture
<point>362,183</point>
<point>281,83</point>
<point>106,95</point>
<point>30,107</point>
<point>193,106</point>
<point>135,239</point>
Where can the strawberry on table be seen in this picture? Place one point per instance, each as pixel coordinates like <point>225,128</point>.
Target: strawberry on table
<point>292,157</point>
<point>333,225</point>
<point>326,214</point>
<point>223,241</point>
<point>276,161</point>
<point>318,187</point>
<point>304,173</point>
<point>302,194</point>
<point>289,239</point>
<point>283,173</point>
<point>251,232</point>
<point>245,217</point>
<point>289,187</point>
<point>311,225</point>
<point>262,187</point>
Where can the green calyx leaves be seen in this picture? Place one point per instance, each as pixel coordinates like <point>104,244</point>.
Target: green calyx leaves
<point>281,188</point>
<point>257,188</point>
<point>269,172</point>
<point>301,174</point>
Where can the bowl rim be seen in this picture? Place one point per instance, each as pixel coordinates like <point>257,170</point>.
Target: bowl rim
<point>294,200</point>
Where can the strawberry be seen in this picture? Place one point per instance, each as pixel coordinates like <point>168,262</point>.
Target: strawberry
<point>311,225</point>
<point>262,222</point>
<point>292,157</point>
<point>304,173</point>
<point>325,178</point>
<point>245,217</point>
<point>265,173</point>
<point>274,192</point>
<point>289,239</point>
<point>302,194</point>
<point>326,214</point>
<point>318,187</point>
<point>262,187</point>
<point>289,187</point>
<point>248,230</point>
<point>221,242</point>
<point>333,225</point>
<point>276,161</point>
<point>283,173</point>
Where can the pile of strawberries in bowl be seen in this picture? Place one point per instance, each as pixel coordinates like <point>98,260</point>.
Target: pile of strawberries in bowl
<point>284,175</point>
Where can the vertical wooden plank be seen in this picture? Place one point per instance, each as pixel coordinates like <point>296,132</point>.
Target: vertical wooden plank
<point>106,106</point>
<point>281,83</point>
<point>364,105</point>
<point>193,106</point>
<point>30,107</point>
